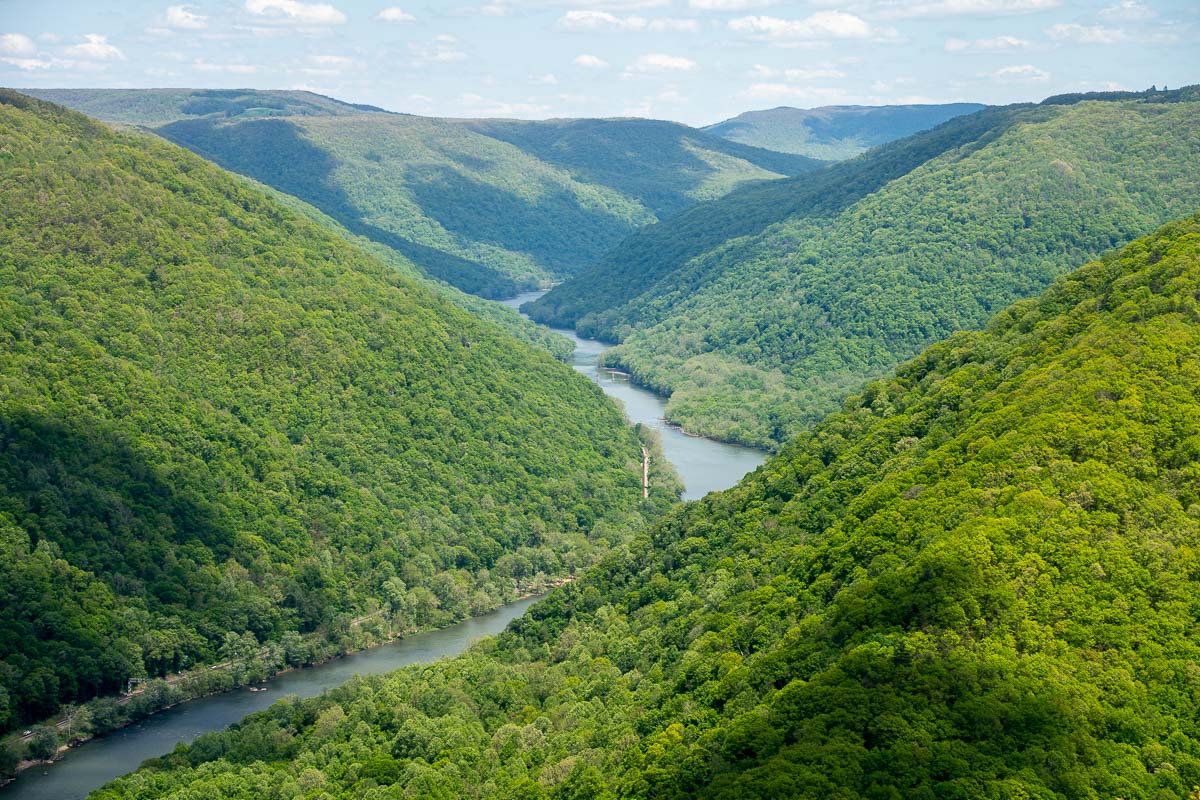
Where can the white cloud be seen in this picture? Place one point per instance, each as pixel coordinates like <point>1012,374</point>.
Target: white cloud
<point>95,47</point>
<point>394,14</point>
<point>775,92</point>
<point>331,62</point>
<point>589,61</point>
<point>200,65</point>
<point>821,25</point>
<point>901,8</point>
<point>597,21</point>
<point>729,5</point>
<point>1085,34</point>
<point>660,62</point>
<point>546,80</point>
<point>297,12</point>
<point>796,73</point>
<point>1128,10</point>
<point>591,21</point>
<point>994,44</point>
<point>1021,73</point>
<point>16,44</point>
<point>441,50</point>
<point>183,18</point>
<point>27,63</point>
<point>675,25</point>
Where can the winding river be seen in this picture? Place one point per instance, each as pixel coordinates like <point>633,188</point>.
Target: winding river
<point>703,464</point>
<point>96,762</point>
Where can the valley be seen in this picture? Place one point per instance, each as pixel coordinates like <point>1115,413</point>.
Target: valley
<point>622,400</point>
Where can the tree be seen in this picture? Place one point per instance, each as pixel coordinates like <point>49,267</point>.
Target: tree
<point>43,745</point>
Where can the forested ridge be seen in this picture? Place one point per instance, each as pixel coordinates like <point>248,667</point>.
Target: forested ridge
<point>759,311</point>
<point>492,207</point>
<point>834,132</point>
<point>221,426</point>
<point>979,579</point>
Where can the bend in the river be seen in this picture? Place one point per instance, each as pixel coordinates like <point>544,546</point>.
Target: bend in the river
<point>704,465</point>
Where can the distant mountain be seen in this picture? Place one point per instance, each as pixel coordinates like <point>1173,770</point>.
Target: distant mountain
<point>833,133</point>
<point>665,166</point>
<point>221,424</point>
<point>759,311</point>
<point>492,207</point>
<point>977,580</point>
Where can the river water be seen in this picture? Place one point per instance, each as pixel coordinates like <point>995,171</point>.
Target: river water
<point>95,763</point>
<point>704,465</point>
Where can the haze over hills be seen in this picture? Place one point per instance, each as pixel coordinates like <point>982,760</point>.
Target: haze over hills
<point>221,424</point>
<point>977,580</point>
<point>488,206</point>
<point>759,311</point>
<point>833,133</point>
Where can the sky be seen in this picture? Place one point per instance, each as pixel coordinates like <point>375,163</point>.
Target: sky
<point>695,61</point>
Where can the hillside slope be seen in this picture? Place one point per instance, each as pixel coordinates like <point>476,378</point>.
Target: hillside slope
<point>832,133</point>
<point>219,420</point>
<point>758,327</point>
<point>490,206</point>
<point>977,580</point>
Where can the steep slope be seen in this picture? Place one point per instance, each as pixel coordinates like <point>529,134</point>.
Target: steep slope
<point>153,107</point>
<point>218,420</point>
<point>497,313</point>
<point>977,580</point>
<point>665,166</point>
<point>760,334</point>
<point>833,133</point>
<point>492,207</point>
<point>595,299</point>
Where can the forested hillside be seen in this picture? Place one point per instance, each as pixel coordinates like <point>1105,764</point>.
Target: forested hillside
<point>977,580</point>
<point>492,207</point>
<point>220,424</point>
<point>664,165</point>
<point>833,133</point>
<point>759,311</point>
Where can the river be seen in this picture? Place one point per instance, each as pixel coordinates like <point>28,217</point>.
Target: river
<point>96,762</point>
<point>704,465</point>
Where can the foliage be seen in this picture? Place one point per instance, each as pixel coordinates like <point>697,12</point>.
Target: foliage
<point>979,579</point>
<point>664,165</point>
<point>834,132</point>
<point>497,313</point>
<point>219,420</point>
<point>490,207</point>
<point>758,327</point>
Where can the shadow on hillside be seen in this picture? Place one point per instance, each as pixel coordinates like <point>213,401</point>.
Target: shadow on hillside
<point>274,152</point>
<point>81,486</point>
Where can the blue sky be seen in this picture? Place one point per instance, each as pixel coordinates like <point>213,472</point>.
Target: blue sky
<point>697,61</point>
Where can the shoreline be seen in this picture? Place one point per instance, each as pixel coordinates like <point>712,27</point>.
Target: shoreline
<point>65,748</point>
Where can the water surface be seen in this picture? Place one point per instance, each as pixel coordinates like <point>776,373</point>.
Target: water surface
<point>93,764</point>
<point>705,465</point>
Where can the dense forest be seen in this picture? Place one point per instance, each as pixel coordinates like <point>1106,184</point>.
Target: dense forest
<point>833,133</point>
<point>222,426</point>
<point>491,207</point>
<point>976,580</point>
<point>759,311</point>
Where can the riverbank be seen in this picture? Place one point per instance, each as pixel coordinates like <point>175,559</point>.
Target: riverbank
<point>703,464</point>
<point>251,676</point>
